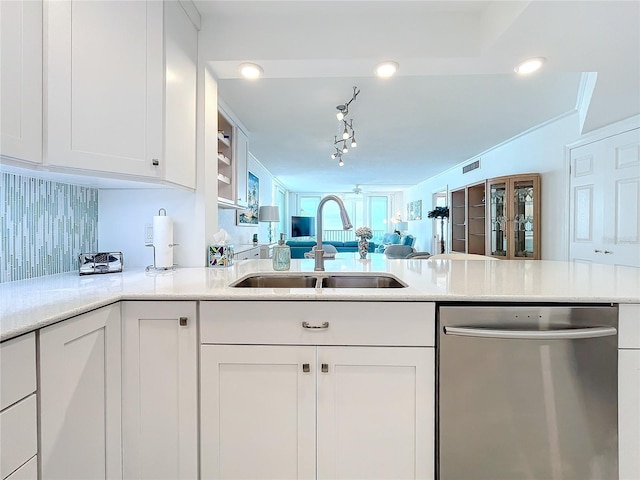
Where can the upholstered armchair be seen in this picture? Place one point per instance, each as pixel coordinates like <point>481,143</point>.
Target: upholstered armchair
<point>398,251</point>
<point>409,240</point>
<point>388,239</point>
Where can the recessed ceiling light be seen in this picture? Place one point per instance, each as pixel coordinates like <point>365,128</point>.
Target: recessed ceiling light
<point>529,66</point>
<point>251,70</point>
<point>386,69</point>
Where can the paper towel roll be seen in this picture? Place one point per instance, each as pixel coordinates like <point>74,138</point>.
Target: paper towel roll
<point>163,240</point>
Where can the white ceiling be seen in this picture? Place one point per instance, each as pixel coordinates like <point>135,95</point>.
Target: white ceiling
<point>455,94</point>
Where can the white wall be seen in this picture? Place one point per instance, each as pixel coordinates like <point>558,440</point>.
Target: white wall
<point>123,214</point>
<point>227,217</point>
<point>541,150</point>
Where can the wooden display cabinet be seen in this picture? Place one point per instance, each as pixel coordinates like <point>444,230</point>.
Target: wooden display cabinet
<point>458,214</point>
<point>514,217</point>
<point>468,219</point>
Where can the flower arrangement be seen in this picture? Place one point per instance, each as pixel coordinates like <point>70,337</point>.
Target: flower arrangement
<point>364,233</point>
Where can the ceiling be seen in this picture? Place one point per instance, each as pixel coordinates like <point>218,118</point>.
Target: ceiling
<point>454,96</point>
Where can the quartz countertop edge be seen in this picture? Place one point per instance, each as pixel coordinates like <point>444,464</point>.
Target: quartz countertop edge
<point>27,305</point>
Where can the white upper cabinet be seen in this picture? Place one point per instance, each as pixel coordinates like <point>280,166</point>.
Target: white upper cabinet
<point>21,80</point>
<point>181,60</point>
<point>111,83</point>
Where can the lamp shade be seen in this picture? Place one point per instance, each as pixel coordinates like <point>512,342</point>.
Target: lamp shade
<point>269,213</point>
<point>401,226</point>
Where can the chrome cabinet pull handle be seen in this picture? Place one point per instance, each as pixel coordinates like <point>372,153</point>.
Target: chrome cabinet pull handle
<point>315,327</point>
<point>598,251</point>
<point>325,368</point>
<point>305,368</point>
<point>183,321</point>
<point>607,251</point>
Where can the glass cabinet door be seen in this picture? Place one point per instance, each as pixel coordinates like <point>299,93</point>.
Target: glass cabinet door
<point>498,219</point>
<point>523,218</point>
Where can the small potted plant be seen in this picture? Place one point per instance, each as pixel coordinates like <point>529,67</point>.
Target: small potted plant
<point>441,213</point>
<point>365,234</point>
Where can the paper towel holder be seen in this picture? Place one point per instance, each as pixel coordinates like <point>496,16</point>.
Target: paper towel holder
<point>153,267</point>
<point>162,212</point>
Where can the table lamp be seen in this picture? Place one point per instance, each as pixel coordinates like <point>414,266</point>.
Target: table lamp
<point>269,213</point>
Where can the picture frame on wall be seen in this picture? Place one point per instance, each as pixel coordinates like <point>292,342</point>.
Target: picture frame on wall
<point>248,217</point>
<point>414,210</point>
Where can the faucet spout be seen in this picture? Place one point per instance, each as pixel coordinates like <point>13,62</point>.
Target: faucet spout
<point>346,224</point>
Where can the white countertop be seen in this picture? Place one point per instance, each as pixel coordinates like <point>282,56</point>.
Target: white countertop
<point>29,304</point>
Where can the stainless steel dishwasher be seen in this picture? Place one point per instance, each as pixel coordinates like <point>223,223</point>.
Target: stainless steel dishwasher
<point>527,393</point>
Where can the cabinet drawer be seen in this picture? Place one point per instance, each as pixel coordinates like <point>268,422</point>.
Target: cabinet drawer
<point>349,323</point>
<point>248,254</point>
<point>17,369</point>
<point>17,435</point>
<point>629,326</point>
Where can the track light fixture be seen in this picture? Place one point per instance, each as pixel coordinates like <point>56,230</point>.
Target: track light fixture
<point>347,134</point>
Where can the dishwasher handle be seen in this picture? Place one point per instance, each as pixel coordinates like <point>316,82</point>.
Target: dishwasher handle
<point>564,334</point>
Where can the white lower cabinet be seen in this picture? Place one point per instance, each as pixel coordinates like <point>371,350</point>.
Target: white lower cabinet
<point>307,411</point>
<point>80,397</point>
<point>159,390</point>
<point>629,392</point>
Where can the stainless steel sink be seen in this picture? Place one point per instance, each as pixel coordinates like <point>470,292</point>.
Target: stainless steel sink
<point>277,281</point>
<point>338,280</point>
<point>361,281</point>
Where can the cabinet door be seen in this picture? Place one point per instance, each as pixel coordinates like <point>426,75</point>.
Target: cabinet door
<point>80,395</point>
<point>181,57</point>
<point>524,217</point>
<point>257,412</point>
<point>241,157</point>
<point>458,221</point>
<point>105,86</point>
<point>159,390</point>
<point>605,201</point>
<point>497,245</point>
<point>21,80</point>
<point>376,412</point>
<point>629,414</point>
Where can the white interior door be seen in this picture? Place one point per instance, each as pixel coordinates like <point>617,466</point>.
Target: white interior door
<point>605,201</point>
<point>376,413</point>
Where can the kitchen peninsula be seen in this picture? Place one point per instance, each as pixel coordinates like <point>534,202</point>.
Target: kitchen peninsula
<point>34,303</point>
<point>211,348</point>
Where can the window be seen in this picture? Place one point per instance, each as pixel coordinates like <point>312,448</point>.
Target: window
<point>378,214</point>
<point>281,202</point>
<point>308,205</point>
<point>372,211</point>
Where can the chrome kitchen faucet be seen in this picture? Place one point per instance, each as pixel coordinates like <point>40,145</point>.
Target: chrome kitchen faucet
<point>346,224</point>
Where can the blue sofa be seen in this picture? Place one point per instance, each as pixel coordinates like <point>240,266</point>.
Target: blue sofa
<point>299,247</point>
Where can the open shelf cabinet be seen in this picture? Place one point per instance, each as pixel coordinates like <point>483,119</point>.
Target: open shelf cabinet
<point>468,219</point>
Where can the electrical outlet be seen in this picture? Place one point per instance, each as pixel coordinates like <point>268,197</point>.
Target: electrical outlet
<point>148,233</point>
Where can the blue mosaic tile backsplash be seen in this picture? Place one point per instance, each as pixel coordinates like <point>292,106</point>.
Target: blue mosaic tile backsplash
<point>45,225</point>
